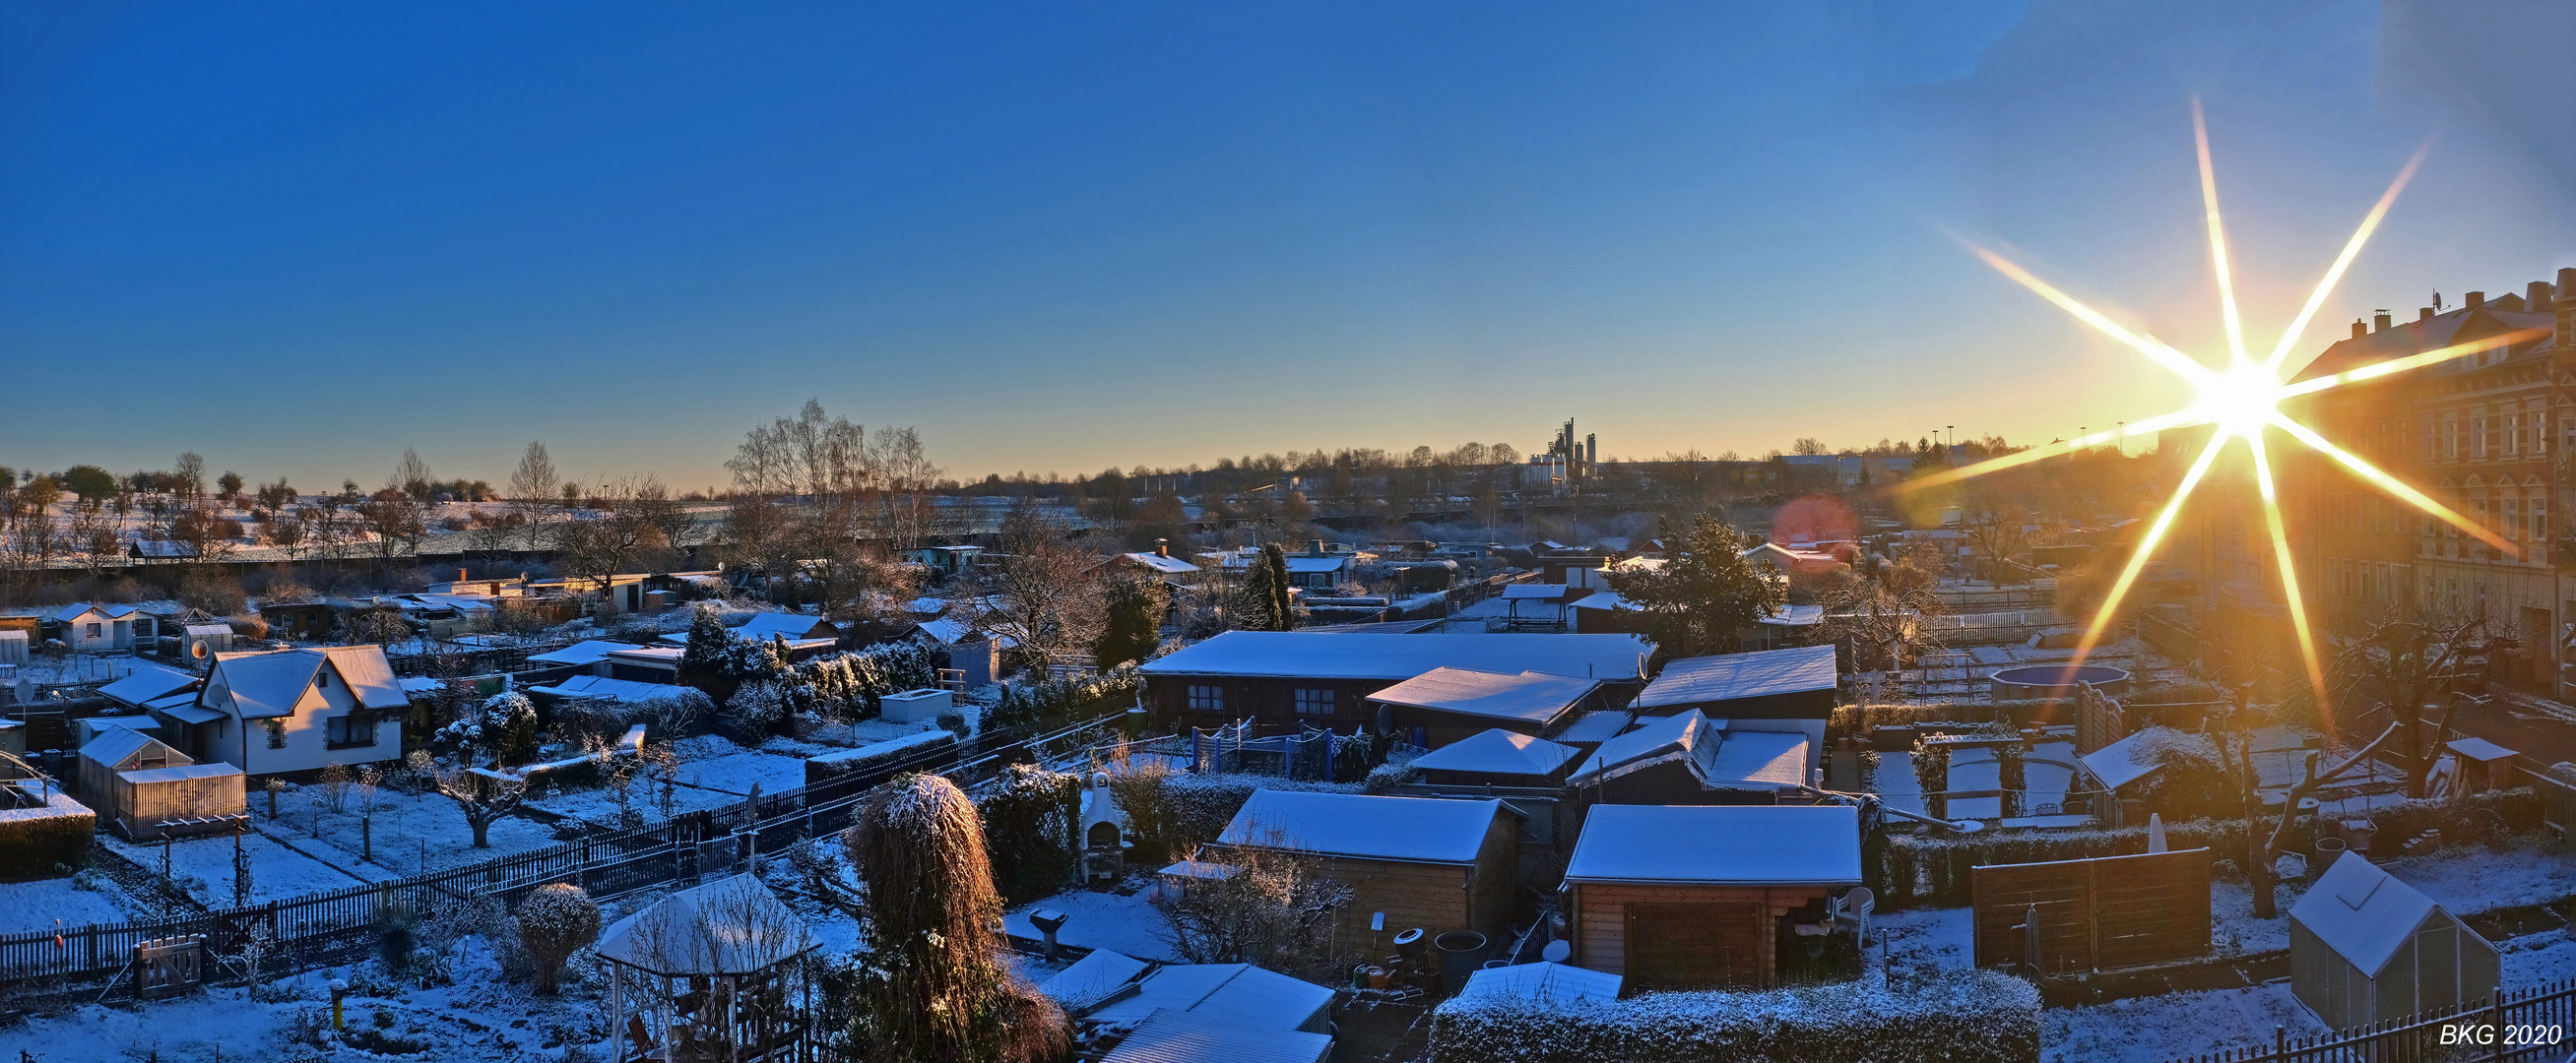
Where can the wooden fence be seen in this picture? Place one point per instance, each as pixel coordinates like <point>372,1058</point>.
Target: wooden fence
<point>2538,1023</point>
<point>2100,914</point>
<point>685,848</point>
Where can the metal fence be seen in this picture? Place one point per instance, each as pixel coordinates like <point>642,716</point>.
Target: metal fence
<point>684,848</point>
<point>2521,1024</point>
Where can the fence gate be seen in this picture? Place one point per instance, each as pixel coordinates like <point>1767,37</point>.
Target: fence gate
<point>167,967</point>
<point>2100,914</point>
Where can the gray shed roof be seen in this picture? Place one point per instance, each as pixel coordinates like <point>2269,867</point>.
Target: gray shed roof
<point>1726,677</point>
<point>2362,912</point>
<point>1427,830</point>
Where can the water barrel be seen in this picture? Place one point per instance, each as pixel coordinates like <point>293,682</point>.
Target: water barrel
<point>2328,851</point>
<point>1460,952</point>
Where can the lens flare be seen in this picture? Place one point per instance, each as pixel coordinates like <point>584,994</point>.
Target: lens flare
<point>2242,403</point>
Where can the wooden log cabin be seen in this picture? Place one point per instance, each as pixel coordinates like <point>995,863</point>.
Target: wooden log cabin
<point>1702,896</point>
<point>1432,863</point>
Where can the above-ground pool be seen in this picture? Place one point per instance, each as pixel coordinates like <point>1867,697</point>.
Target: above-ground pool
<point>2054,681</point>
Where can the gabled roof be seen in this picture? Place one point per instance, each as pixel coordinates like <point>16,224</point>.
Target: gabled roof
<point>1233,992</point>
<point>1091,979</point>
<point>1292,654</point>
<point>792,626</point>
<point>1719,845</point>
<point>1656,739</point>
<point>116,745</point>
<point>147,683</point>
<point>729,926</point>
<point>75,611</point>
<point>1726,677</point>
<point>1498,752</point>
<point>1425,830</point>
<point>2362,912</point>
<point>265,683</point>
<point>1528,697</point>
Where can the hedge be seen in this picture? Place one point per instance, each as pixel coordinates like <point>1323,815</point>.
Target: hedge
<point>1953,1016</point>
<point>1174,812</point>
<point>1907,870</point>
<point>40,842</point>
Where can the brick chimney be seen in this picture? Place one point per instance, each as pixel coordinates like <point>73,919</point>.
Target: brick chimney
<point>2423,314</point>
<point>2379,321</point>
<point>2475,300</point>
<point>2360,328</point>
<point>2535,297</point>
<point>1162,548</point>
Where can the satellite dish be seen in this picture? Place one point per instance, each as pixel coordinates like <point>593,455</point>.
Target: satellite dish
<point>1966,826</point>
<point>1557,952</point>
<point>26,691</point>
<point>198,649</point>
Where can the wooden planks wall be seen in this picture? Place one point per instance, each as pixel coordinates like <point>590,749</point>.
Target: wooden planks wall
<point>2100,914</point>
<point>1602,919</point>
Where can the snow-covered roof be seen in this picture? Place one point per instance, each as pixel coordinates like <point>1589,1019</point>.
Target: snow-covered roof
<point>1603,600</point>
<point>265,683</point>
<point>1718,844</point>
<point>1302,563</point>
<point>1656,739</point>
<point>602,688</point>
<point>1294,654</point>
<point>1725,677</point>
<point>1091,978</point>
<point>1552,983</point>
<point>2133,758</point>
<point>211,770</point>
<point>649,656</point>
<point>115,744</point>
<point>1528,697</point>
<point>1171,1035</point>
<point>183,708</point>
<point>1426,830</point>
<point>2362,912</point>
<point>1773,758</point>
<point>146,683</point>
<point>1498,752</point>
<point>791,625</point>
<point>879,749</point>
<point>1549,591</point>
<point>1594,728</point>
<point>587,651</point>
<point>1795,616</point>
<point>1235,992</point>
<point>1162,563</point>
<point>2479,749</point>
<point>729,926</point>
<point>464,603</point>
<point>73,612</point>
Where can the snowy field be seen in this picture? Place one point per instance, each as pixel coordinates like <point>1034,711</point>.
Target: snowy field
<point>410,831</point>
<point>48,904</point>
<point>2172,1026</point>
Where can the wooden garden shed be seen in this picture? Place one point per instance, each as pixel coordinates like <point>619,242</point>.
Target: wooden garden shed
<point>1425,862</point>
<point>2365,948</point>
<point>1698,896</point>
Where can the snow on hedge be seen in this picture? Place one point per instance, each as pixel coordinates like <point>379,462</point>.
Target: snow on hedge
<point>1959,1017</point>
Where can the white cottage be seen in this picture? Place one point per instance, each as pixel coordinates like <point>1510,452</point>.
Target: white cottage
<point>298,710</point>
<point>98,628</point>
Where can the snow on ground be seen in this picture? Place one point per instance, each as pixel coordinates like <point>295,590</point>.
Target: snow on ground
<point>1131,925</point>
<point>2538,959</point>
<point>2046,772</point>
<point>1941,938</point>
<point>410,832</point>
<point>737,773</point>
<point>52,903</point>
<point>2172,1026</point>
<point>2467,879</point>
<point>276,872</point>
<point>597,805</point>
<point>1975,769</point>
<point>1895,783</point>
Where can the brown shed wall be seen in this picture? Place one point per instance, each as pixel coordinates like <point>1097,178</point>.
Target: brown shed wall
<point>1601,920</point>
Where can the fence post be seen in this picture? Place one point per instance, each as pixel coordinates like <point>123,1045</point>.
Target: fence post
<point>2280,1043</point>
<point>2495,1023</point>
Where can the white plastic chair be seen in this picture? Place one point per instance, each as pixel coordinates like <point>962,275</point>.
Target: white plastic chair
<point>1852,909</point>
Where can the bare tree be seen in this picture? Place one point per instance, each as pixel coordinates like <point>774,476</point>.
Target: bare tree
<point>484,795</point>
<point>1040,591</point>
<point>632,523</point>
<point>532,487</point>
<point>411,476</point>
<point>190,472</point>
<point>1272,908</point>
<point>1886,615</point>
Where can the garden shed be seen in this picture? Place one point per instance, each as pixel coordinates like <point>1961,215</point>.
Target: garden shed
<point>1698,896</point>
<point>136,783</point>
<point>1425,862</point>
<point>1690,759</point>
<point>1766,684</point>
<point>1498,758</point>
<point>1231,992</point>
<point>2365,948</point>
<point>1448,704</point>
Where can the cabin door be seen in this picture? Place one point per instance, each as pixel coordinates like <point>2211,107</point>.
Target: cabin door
<point>1696,946</point>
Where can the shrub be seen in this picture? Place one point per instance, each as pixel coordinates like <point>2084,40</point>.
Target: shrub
<point>1957,1017</point>
<point>756,709</point>
<point>1057,702</point>
<point>1176,811</point>
<point>1028,830</point>
<point>35,846</point>
<point>556,921</point>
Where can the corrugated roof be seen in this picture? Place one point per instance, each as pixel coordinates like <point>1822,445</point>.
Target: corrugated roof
<point>1172,1036</point>
<point>1292,654</point>
<point>1412,829</point>
<point>1529,697</point>
<point>1498,752</point>
<point>1726,677</point>
<point>1719,844</point>
<point>2362,912</point>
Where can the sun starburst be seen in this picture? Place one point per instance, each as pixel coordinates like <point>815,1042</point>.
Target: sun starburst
<point>2241,402</point>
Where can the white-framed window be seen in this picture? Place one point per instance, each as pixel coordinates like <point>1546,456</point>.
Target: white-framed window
<point>2424,432</point>
<point>1207,698</point>
<point>1314,701</point>
<point>2512,516</point>
<point>2513,434</point>
<point>2478,435</point>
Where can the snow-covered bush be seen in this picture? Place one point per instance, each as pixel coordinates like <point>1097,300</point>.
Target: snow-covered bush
<point>1384,778</point>
<point>1176,811</point>
<point>556,921</point>
<point>504,727</point>
<point>44,840</point>
<point>1955,1016</point>
<point>756,709</point>
<point>2191,780</point>
<point>1056,702</point>
<point>1027,823</point>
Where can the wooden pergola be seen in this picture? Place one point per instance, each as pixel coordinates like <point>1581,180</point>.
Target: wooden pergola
<point>713,975</point>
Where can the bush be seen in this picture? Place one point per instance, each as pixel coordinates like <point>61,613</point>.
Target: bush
<point>1173,812</point>
<point>2477,819</point>
<point>1058,702</point>
<point>1028,830</point>
<point>1957,1017</point>
<point>44,846</point>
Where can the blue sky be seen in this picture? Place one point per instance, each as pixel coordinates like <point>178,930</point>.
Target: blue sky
<point>300,238</point>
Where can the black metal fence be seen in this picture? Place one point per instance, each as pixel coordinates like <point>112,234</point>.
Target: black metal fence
<point>2522,1024</point>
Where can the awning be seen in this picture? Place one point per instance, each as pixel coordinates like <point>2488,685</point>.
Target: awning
<point>187,713</point>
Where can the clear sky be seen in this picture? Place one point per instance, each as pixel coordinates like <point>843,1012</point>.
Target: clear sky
<point>298,238</point>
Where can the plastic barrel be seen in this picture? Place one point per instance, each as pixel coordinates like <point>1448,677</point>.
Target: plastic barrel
<point>1460,952</point>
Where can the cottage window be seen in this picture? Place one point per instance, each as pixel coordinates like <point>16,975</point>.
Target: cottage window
<point>353,729</point>
<point>1314,702</point>
<point>1207,698</point>
<point>276,732</point>
<point>92,629</point>
<point>322,680</point>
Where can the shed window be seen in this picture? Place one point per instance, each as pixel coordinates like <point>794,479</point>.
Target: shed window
<point>1207,698</point>
<point>92,629</point>
<point>276,732</point>
<point>1314,702</point>
<point>353,729</point>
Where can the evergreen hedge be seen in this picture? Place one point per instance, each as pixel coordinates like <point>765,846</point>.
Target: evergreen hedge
<point>1953,1017</point>
<point>39,843</point>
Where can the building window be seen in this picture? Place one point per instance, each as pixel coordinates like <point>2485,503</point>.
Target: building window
<point>92,629</point>
<point>352,729</point>
<point>1207,698</point>
<point>1314,702</point>
<point>2513,433</point>
<point>322,679</point>
<point>276,732</point>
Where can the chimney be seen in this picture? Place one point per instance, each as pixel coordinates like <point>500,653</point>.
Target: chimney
<point>1162,548</point>
<point>2423,314</point>
<point>2360,328</point>
<point>2379,321</point>
<point>2476,300</point>
<point>2535,297</point>
<point>1314,548</point>
<point>1591,449</point>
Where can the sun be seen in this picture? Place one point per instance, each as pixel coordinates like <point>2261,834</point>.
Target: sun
<point>2242,403</point>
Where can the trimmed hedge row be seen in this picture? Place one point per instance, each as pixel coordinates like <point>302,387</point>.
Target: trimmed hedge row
<point>1909,870</point>
<point>34,843</point>
<point>1955,1016</point>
